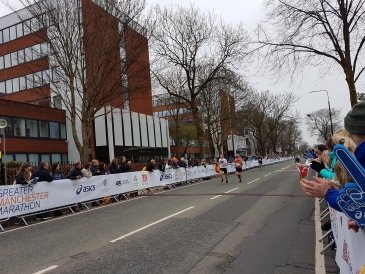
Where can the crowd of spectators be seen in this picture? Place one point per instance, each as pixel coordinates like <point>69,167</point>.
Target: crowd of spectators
<point>332,178</point>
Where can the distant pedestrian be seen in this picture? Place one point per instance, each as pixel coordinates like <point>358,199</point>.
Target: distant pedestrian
<point>238,163</point>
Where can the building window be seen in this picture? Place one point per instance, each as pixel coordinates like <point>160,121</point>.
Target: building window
<point>57,102</point>
<point>21,157</point>
<point>43,129</point>
<point>54,130</point>
<point>32,128</point>
<point>19,30</point>
<point>2,65</point>
<point>8,158</point>
<point>33,158</point>
<point>63,131</point>
<point>9,86</point>
<point>19,127</point>
<point>2,87</point>
<point>45,158</point>
<point>64,158</point>
<point>6,35</point>
<point>7,61</point>
<point>16,86</point>
<point>56,158</point>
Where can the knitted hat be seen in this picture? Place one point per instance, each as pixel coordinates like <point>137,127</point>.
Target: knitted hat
<point>355,119</point>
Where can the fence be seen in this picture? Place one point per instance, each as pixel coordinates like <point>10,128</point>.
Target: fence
<point>27,200</point>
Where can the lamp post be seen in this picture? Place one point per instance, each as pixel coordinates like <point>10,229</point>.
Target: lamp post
<point>329,106</point>
<point>3,125</point>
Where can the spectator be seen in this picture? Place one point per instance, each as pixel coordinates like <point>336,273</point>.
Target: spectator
<point>182,163</point>
<point>162,166</point>
<point>86,171</point>
<point>75,172</point>
<point>103,168</point>
<point>94,168</point>
<point>174,163</point>
<point>42,173</point>
<point>24,174</point>
<point>114,167</point>
<point>125,166</point>
<point>56,172</point>
<point>151,165</point>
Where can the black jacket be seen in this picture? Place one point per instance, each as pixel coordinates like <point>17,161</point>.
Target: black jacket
<point>113,168</point>
<point>43,175</point>
<point>73,173</point>
<point>19,179</point>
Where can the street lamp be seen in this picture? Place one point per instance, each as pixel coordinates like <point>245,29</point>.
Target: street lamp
<point>3,125</point>
<point>329,106</point>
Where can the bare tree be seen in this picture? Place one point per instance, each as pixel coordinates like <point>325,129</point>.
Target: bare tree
<point>196,49</point>
<point>91,56</point>
<point>319,123</point>
<point>263,113</point>
<point>316,32</point>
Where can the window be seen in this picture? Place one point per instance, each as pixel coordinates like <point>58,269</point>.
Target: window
<point>26,27</point>
<point>16,85</point>
<point>30,81</point>
<point>32,128</point>
<point>36,49</point>
<point>2,65</point>
<point>21,157</point>
<point>2,87</point>
<point>64,158</point>
<point>6,35</point>
<point>22,83</point>
<point>14,58</point>
<point>38,81</point>
<point>45,158</point>
<point>63,131</point>
<point>21,57</point>
<point>19,30</point>
<point>56,158</point>
<point>28,54</point>
<point>57,102</point>
<point>45,77</point>
<point>1,37</point>
<point>9,86</point>
<point>8,158</point>
<point>43,129</point>
<point>54,130</point>
<point>33,158</point>
<point>9,127</point>
<point>7,60</point>
<point>19,127</point>
<point>12,32</point>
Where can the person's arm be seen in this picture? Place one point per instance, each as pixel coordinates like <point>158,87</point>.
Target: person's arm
<point>327,174</point>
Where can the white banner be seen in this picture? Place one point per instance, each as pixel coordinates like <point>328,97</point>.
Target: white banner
<point>18,200</point>
<point>350,256</point>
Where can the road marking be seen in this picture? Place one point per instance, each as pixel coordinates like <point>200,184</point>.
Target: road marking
<point>268,174</point>
<point>277,170</point>
<point>47,269</point>
<point>215,197</point>
<point>320,266</point>
<point>253,181</point>
<point>152,224</point>
<point>231,190</point>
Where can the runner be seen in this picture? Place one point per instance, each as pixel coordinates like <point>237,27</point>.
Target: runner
<point>238,163</point>
<point>259,159</point>
<point>223,166</point>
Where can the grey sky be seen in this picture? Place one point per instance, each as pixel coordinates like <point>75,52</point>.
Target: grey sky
<point>249,12</point>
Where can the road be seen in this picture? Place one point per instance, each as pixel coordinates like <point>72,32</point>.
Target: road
<point>263,225</point>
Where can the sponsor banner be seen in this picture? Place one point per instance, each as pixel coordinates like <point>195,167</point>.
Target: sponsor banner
<point>18,200</point>
<point>350,245</point>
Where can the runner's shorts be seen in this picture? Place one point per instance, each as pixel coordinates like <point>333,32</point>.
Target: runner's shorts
<point>238,169</point>
<point>224,170</point>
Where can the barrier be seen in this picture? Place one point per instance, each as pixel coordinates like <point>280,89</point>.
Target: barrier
<point>25,200</point>
<point>350,245</point>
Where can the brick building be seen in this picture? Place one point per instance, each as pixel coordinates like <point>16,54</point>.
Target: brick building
<point>38,129</point>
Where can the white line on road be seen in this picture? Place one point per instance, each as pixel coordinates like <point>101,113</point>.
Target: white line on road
<point>152,224</point>
<point>277,170</point>
<point>253,181</point>
<point>47,269</point>
<point>231,190</point>
<point>268,174</point>
<point>215,197</point>
<point>320,266</point>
